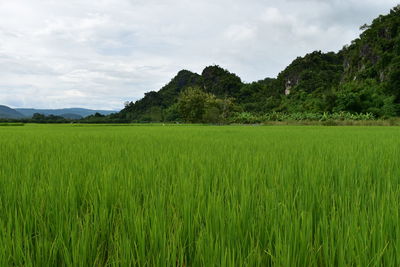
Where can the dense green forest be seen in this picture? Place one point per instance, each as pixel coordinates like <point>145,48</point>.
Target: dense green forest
<point>363,77</point>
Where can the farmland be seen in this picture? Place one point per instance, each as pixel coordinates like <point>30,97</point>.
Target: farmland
<point>75,195</point>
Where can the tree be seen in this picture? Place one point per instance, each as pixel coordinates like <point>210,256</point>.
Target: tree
<point>365,96</point>
<point>196,106</point>
<point>192,103</point>
<point>38,117</point>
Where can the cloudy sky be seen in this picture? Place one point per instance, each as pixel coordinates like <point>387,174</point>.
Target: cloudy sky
<point>99,54</point>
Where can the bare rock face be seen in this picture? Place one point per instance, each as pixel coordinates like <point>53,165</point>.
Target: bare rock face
<point>382,76</point>
<point>289,85</point>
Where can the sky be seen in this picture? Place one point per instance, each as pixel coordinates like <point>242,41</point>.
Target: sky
<point>100,54</point>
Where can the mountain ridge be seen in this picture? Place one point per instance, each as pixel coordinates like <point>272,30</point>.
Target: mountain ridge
<point>83,112</point>
<point>68,113</point>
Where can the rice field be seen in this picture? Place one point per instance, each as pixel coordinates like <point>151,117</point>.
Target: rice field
<point>98,195</point>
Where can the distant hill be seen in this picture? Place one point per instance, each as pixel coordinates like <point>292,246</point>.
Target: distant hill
<point>69,113</point>
<point>9,113</point>
<point>156,106</point>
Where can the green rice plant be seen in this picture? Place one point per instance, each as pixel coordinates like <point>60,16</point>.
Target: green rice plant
<point>199,196</point>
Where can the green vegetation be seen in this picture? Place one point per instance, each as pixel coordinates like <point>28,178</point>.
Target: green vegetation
<point>248,118</point>
<point>199,196</point>
<point>196,106</point>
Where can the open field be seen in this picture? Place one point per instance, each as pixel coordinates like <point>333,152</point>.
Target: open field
<point>199,196</point>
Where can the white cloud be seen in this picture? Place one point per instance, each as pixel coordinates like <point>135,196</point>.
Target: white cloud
<point>98,54</point>
<point>240,33</point>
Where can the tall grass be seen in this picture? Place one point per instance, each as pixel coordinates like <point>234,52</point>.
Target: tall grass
<point>199,196</point>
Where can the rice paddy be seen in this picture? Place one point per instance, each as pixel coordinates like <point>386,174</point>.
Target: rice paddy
<point>199,196</point>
